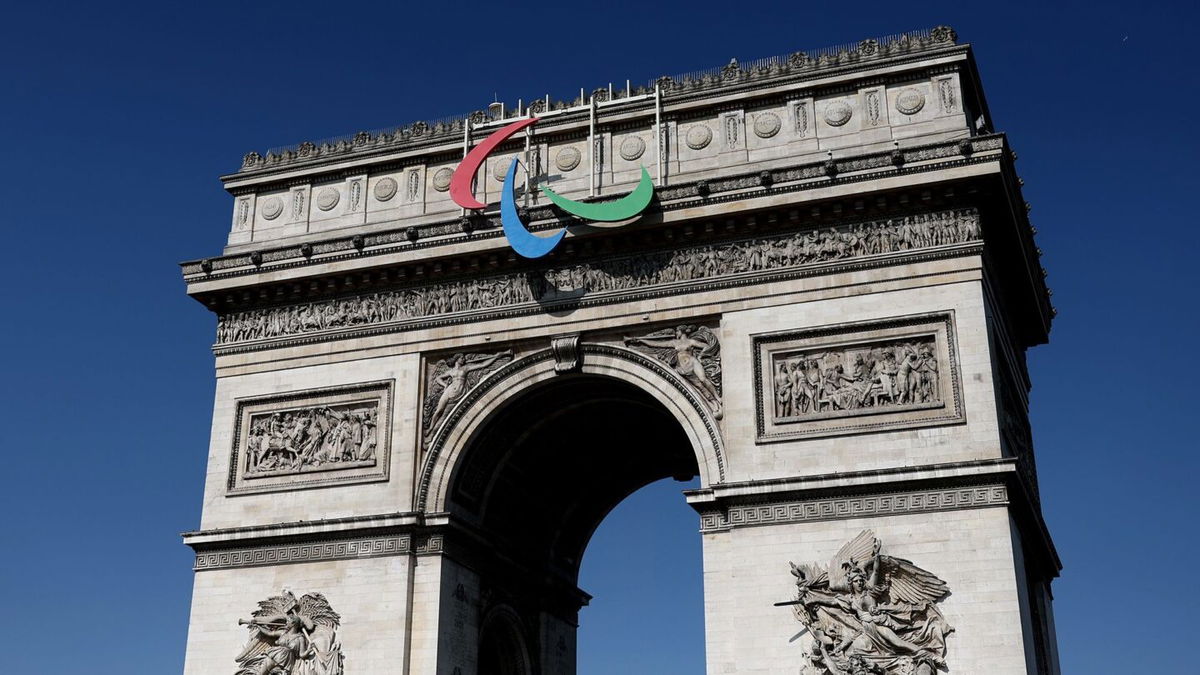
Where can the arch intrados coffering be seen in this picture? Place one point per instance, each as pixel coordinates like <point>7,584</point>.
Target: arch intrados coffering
<point>501,629</point>
<point>495,392</point>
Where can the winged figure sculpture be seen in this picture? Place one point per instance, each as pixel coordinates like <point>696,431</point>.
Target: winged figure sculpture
<point>870,614</point>
<point>292,637</point>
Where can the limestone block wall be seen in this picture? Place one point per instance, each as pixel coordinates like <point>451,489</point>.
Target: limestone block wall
<point>221,510</point>
<point>746,571</point>
<point>976,438</point>
<point>370,595</point>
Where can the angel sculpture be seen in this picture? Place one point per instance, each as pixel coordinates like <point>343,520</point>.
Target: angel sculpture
<point>870,613</point>
<point>694,353</point>
<point>290,637</point>
<point>451,380</point>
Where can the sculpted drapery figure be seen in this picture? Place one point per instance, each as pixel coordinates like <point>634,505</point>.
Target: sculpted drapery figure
<point>870,613</point>
<point>694,353</point>
<point>292,637</point>
<point>452,378</point>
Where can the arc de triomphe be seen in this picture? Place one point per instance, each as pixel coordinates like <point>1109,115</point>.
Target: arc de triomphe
<point>823,314</point>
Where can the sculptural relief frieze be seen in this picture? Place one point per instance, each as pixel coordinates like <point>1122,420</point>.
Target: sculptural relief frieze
<point>695,355</point>
<point>890,374</point>
<point>292,637</point>
<point>856,377</point>
<point>312,439</point>
<point>449,380</point>
<point>309,438</point>
<point>868,613</point>
<point>684,264</point>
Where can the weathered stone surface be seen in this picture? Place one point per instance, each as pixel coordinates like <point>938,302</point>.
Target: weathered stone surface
<point>823,315</point>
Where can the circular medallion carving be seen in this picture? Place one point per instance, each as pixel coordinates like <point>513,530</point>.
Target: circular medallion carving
<point>567,159</point>
<point>767,125</point>
<point>500,168</point>
<point>386,189</point>
<point>328,198</point>
<point>838,113</point>
<point>272,207</point>
<point>632,148</point>
<point>698,137</point>
<point>910,101</point>
<point>441,179</point>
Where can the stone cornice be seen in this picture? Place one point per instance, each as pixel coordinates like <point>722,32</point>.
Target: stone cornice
<point>730,79</point>
<point>802,177</point>
<point>859,506</point>
<point>883,492</point>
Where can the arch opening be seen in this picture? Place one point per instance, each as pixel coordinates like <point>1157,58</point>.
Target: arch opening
<point>534,483</point>
<point>547,467</point>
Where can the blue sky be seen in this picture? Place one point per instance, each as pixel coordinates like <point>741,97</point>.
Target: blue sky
<point>117,121</point>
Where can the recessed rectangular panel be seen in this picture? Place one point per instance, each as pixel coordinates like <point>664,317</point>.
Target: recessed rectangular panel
<point>856,378</point>
<point>312,438</point>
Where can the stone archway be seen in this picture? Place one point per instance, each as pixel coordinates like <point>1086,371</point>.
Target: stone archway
<point>507,384</point>
<point>530,464</point>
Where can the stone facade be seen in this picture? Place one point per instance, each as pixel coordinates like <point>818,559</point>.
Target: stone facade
<point>823,315</point>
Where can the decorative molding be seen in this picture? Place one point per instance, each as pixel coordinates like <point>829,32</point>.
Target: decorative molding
<point>305,552</point>
<point>568,158</point>
<point>327,198</point>
<point>615,278</point>
<point>500,167</point>
<point>699,136</point>
<point>243,213</point>
<point>797,178</point>
<point>858,506</point>
<point>311,438</point>
<point>386,188</point>
<point>910,101</point>
<point>858,377</point>
<point>441,179</point>
<point>947,94</point>
<point>272,208</point>
<point>795,66</point>
<point>837,113</point>
<point>800,111</point>
<point>436,446</point>
<point>731,128</point>
<point>767,124</point>
<point>873,105</point>
<point>632,147</point>
<point>413,192</point>
<point>566,352</point>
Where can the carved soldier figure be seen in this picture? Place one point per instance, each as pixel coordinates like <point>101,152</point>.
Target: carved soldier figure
<point>783,391</point>
<point>871,613</point>
<point>927,375</point>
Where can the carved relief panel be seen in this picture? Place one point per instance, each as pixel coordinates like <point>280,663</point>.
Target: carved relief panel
<point>311,438</point>
<point>854,378</point>
<point>448,381</point>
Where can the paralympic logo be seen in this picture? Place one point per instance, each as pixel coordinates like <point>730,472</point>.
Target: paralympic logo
<point>519,237</point>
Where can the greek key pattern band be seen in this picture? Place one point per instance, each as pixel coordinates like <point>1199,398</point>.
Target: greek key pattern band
<point>837,508</point>
<point>318,551</point>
